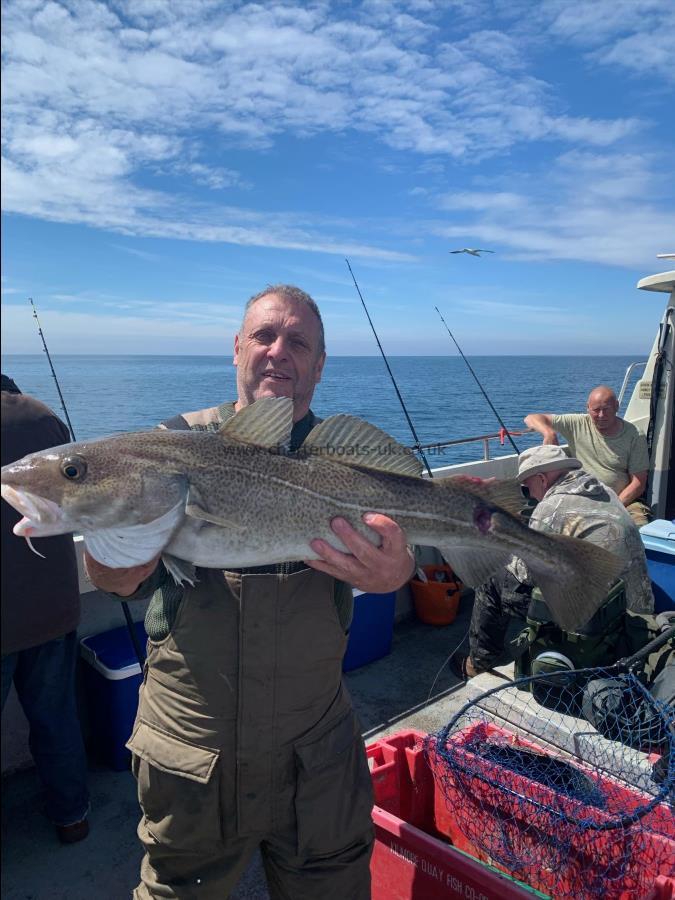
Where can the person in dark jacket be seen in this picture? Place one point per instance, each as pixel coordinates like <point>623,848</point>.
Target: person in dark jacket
<point>40,612</point>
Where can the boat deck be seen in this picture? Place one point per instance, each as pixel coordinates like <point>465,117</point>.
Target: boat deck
<point>391,694</point>
<point>411,688</point>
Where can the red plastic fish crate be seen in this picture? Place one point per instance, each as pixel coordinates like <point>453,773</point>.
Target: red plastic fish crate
<point>421,853</point>
<point>621,858</point>
<point>411,859</point>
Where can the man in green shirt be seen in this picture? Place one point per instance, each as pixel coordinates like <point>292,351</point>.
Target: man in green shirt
<point>608,447</point>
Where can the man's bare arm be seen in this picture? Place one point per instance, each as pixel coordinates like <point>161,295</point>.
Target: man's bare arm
<point>634,489</point>
<point>124,582</point>
<point>543,423</point>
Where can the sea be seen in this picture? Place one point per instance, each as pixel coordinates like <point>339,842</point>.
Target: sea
<point>110,394</point>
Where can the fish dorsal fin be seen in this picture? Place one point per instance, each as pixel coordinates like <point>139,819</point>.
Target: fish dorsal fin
<point>266,423</point>
<point>349,440</point>
<point>506,493</point>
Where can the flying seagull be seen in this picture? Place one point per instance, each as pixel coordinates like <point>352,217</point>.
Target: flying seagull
<point>472,251</point>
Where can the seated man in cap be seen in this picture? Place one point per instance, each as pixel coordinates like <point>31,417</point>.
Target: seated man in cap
<point>570,502</point>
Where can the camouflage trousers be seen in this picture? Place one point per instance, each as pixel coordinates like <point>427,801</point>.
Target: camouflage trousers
<point>499,610</point>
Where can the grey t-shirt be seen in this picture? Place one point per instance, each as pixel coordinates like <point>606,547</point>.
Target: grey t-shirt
<point>613,460</point>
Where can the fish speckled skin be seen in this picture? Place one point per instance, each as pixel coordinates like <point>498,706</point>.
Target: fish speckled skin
<point>232,499</point>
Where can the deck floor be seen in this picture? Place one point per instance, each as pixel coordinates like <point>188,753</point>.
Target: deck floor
<point>391,694</point>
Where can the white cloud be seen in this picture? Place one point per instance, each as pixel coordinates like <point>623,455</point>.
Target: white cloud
<point>634,34</point>
<point>141,254</point>
<point>520,312</point>
<point>476,200</point>
<point>97,100</point>
<point>75,195</point>
<point>586,206</point>
<point>215,177</point>
<point>159,330</point>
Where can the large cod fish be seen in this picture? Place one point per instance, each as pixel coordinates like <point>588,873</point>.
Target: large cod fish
<point>236,498</point>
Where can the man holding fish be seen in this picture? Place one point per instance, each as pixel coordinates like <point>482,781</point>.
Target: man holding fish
<point>279,764</point>
<point>247,523</point>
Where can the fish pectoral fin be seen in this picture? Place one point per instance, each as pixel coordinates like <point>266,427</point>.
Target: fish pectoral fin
<point>197,512</point>
<point>474,565</point>
<point>353,442</point>
<point>180,570</point>
<point>577,588</point>
<point>134,545</point>
<point>194,508</point>
<point>266,423</point>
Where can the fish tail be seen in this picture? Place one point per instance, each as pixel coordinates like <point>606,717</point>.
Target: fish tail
<point>576,588</point>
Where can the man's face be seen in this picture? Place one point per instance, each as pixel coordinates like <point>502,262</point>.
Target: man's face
<point>602,408</point>
<point>277,353</point>
<point>536,485</point>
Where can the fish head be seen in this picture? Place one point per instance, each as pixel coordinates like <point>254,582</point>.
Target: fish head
<point>88,486</point>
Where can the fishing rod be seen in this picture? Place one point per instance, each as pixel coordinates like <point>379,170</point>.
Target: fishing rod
<point>49,360</point>
<point>418,445</point>
<point>125,606</point>
<point>499,418</point>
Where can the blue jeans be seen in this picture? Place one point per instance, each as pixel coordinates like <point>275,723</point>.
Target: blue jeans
<point>44,677</point>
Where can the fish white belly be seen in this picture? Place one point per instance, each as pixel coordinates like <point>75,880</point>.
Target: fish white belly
<point>214,547</point>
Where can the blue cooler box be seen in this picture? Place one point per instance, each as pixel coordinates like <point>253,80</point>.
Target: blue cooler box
<point>112,678</point>
<point>658,538</point>
<point>372,629</point>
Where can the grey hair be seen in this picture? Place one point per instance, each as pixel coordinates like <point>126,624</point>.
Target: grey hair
<point>293,293</point>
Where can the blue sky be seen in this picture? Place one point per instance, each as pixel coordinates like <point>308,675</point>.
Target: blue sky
<point>163,161</point>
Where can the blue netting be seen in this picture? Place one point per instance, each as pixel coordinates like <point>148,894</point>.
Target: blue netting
<point>576,809</point>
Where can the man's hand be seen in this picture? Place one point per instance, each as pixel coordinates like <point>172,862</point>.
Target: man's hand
<point>368,568</point>
<point>472,480</point>
<point>634,489</point>
<point>118,581</point>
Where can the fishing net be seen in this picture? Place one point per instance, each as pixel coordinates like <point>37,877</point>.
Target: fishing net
<point>575,809</point>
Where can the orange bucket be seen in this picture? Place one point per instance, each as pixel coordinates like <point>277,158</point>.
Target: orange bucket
<point>436,602</point>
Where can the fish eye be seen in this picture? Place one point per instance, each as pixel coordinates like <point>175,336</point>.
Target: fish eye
<point>74,468</point>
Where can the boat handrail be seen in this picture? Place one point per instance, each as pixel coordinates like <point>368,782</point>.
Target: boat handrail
<point>626,377</point>
<point>485,438</point>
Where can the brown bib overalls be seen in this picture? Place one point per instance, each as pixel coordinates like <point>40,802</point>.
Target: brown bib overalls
<point>245,738</point>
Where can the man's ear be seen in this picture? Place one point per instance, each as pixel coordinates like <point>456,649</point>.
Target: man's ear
<point>318,369</point>
<point>235,358</point>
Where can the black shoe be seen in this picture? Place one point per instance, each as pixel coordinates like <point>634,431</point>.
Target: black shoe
<point>464,668</point>
<point>457,666</point>
<point>71,834</point>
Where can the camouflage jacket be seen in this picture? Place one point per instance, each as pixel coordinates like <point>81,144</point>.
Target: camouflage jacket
<point>578,505</point>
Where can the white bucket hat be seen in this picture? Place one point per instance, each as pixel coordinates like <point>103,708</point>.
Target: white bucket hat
<point>544,458</point>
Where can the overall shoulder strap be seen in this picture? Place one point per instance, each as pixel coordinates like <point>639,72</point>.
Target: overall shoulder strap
<point>177,423</point>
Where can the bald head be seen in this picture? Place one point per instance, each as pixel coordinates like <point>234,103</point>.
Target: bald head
<point>602,394</point>
<point>603,407</point>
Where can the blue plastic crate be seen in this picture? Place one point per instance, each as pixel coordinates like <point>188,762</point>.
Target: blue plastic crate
<point>112,678</point>
<point>658,538</point>
<point>372,629</point>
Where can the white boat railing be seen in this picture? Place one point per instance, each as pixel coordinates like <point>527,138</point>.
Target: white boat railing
<point>502,435</point>
<point>626,379</point>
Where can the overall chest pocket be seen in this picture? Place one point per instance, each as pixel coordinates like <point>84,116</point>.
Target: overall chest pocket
<point>334,795</point>
<point>178,788</point>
